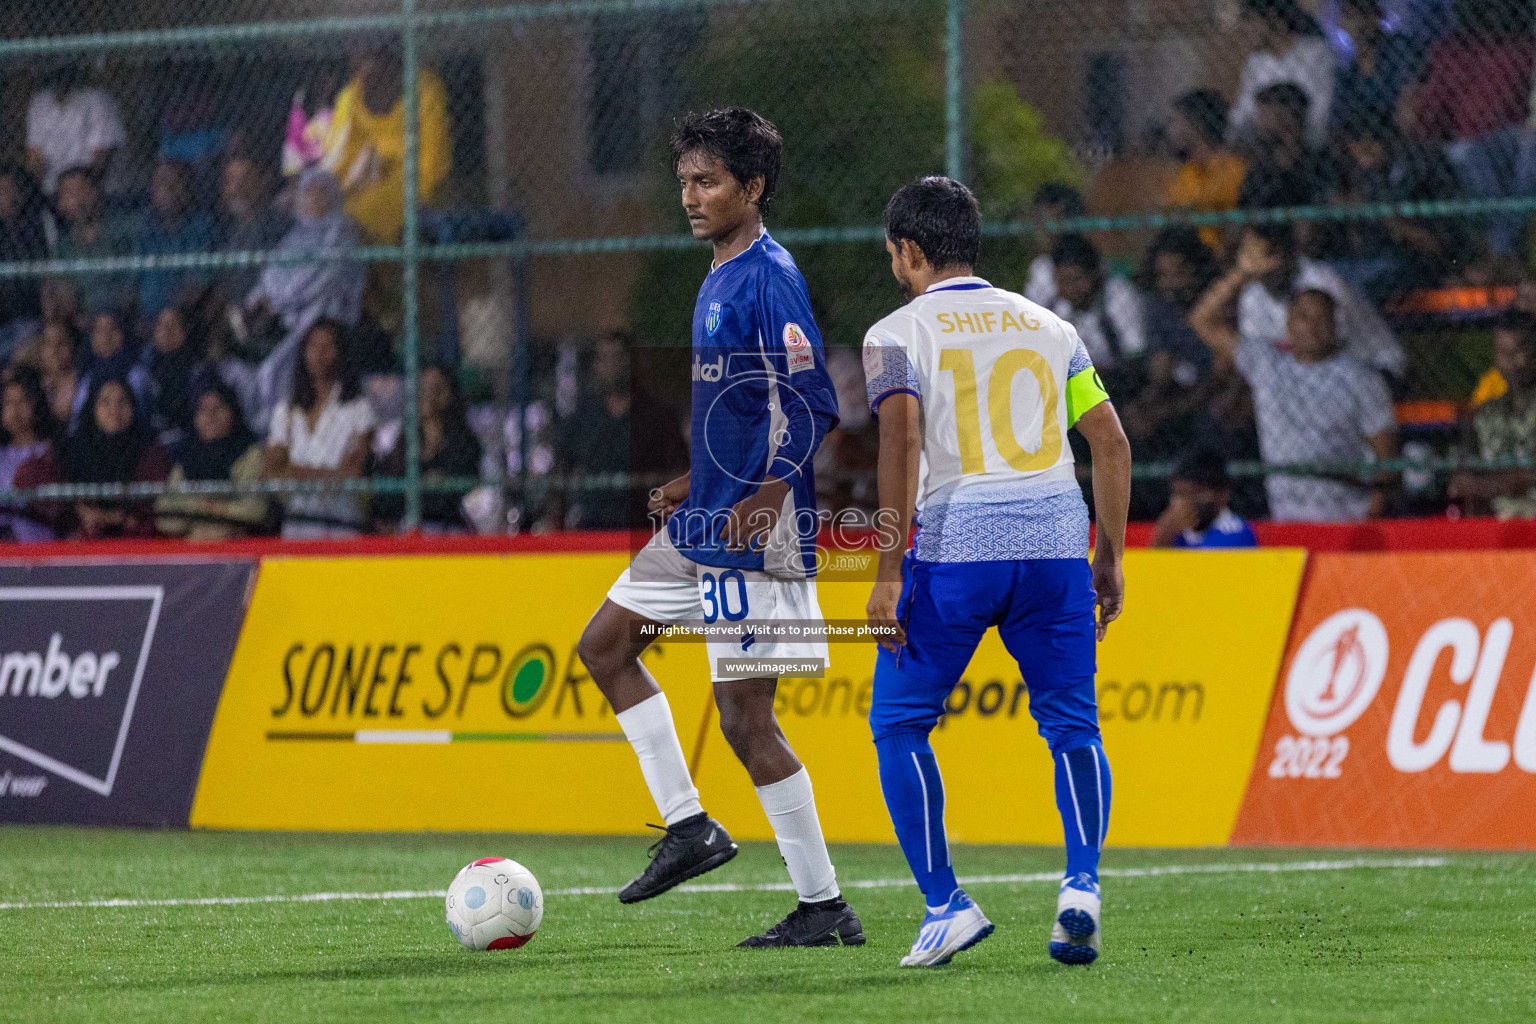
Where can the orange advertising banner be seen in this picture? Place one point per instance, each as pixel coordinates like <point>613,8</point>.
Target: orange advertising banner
<point>1405,713</point>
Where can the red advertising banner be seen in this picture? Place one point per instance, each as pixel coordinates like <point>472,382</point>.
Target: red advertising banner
<point>1405,712</point>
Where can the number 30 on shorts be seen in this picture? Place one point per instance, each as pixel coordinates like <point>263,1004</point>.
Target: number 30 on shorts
<point>721,598</point>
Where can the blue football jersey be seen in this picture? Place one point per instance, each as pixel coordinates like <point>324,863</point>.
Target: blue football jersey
<point>762,402</point>
<point>1228,530</point>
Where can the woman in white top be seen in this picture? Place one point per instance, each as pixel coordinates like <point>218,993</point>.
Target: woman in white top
<point>324,432</point>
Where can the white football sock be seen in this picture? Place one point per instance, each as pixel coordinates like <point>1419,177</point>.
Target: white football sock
<point>650,730</point>
<point>791,808</point>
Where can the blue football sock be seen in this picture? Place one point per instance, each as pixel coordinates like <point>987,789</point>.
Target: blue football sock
<point>914,794</point>
<point>1082,797</point>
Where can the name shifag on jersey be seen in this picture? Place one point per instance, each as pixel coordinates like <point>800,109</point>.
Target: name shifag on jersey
<point>762,402</point>
<point>1000,380</point>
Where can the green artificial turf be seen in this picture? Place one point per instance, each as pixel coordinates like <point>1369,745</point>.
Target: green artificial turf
<point>1440,943</point>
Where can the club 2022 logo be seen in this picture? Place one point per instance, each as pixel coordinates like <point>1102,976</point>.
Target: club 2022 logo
<point>1337,674</point>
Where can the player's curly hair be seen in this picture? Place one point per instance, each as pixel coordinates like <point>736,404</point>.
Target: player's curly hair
<point>745,141</point>
<point>939,214</point>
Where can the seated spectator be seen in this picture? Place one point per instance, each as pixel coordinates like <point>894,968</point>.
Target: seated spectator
<point>221,361</point>
<point>324,432</point>
<point>1052,201</point>
<point>57,358</point>
<point>1475,98</point>
<point>1165,418</point>
<point>172,360</point>
<point>366,146</point>
<point>1178,270</point>
<point>71,124</point>
<point>248,220</point>
<point>1314,403</point>
<point>220,447</point>
<point>60,300</point>
<point>1366,89</point>
<point>1198,513</point>
<point>1383,258</point>
<point>23,236</point>
<point>1285,45</point>
<point>27,430</point>
<point>1505,427</point>
<point>111,446</point>
<point>1492,384</point>
<point>111,357</point>
<point>171,225</point>
<point>1106,310</point>
<point>1287,170</point>
<point>448,449</point>
<point>1262,309</point>
<point>616,429</point>
<point>88,234</point>
<point>194,132</point>
<point>1210,176</point>
<point>289,297</point>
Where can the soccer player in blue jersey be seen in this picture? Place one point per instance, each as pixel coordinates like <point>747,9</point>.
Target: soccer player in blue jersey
<point>975,388</point>
<point>738,551</point>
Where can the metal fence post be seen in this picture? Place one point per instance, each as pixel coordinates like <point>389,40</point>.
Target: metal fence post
<point>410,266</point>
<point>954,89</point>
<point>521,385</point>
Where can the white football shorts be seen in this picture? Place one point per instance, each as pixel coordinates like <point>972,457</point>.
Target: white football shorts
<point>666,586</point>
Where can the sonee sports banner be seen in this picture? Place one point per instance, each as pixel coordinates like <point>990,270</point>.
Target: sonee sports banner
<point>109,675</point>
<point>446,693</point>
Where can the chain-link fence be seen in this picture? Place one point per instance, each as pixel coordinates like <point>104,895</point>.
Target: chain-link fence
<point>194,192</point>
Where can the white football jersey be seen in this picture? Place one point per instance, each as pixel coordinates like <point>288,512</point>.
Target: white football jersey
<point>1000,380</point>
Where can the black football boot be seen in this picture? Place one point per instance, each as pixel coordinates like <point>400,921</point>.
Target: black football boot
<point>826,923</point>
<point>686,850</point>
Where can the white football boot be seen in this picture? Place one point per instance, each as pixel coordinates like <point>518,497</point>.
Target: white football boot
<point>1075,932</point>
<point>959,927</point>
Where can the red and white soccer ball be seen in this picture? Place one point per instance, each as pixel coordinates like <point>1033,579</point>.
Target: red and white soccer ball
<point>494,903</point>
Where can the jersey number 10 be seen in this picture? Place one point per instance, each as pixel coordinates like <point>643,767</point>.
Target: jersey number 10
<point>968,423</point>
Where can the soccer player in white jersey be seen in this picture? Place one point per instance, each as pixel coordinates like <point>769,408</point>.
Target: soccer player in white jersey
<point>737,556</point>
<point>975,388</point>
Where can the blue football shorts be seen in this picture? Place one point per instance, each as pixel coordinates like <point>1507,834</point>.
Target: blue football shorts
<point>1044,611</point>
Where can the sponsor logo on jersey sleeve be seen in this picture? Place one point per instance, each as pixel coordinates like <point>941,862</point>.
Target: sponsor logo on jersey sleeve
<point>874,362</point>
<point>799,348</point>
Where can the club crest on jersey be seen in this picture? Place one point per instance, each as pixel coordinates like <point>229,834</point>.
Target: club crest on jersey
<point>799,348</point>
<point>712,319</point>
<point>874,362</point>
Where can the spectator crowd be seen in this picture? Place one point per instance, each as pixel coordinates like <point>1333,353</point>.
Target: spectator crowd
<point>237,374</point>
<point>1269,341</point>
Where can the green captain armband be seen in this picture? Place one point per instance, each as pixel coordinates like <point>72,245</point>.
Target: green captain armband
<point>1084,391</point>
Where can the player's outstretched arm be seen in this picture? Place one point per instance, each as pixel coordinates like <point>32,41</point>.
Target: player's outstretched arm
<point>901,444</point>
<point>1111,450</point>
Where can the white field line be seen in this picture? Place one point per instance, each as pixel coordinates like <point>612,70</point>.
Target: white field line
<point>870,883</point>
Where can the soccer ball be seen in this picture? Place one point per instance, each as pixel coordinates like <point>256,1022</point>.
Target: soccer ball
<point>494,903</point>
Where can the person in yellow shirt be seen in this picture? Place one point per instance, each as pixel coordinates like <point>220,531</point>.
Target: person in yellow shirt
<point>1492,384</point>
<point>365,148</point>
<point>1209,175</point>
